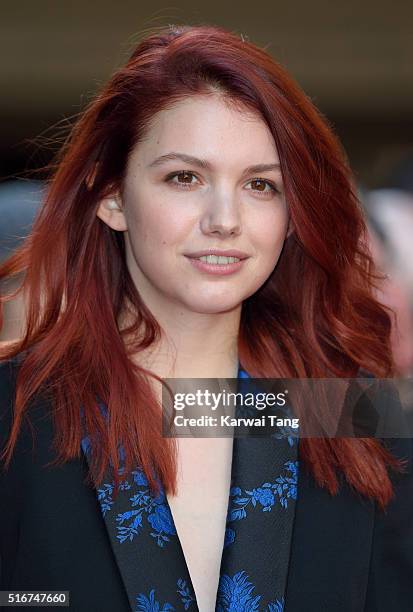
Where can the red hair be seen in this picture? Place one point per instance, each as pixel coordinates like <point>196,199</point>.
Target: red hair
<point>76,282</point>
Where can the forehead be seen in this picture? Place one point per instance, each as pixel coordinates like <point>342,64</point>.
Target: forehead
<point>210,126</point>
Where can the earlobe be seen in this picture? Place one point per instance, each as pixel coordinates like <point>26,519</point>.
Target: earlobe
<point>110,212</point>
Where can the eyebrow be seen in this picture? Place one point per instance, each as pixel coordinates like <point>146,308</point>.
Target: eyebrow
<point>206,165</point>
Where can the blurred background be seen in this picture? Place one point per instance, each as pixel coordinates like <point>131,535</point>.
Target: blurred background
<point>353,59</point>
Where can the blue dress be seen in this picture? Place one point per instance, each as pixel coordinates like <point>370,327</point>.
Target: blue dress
<point>256,549</point>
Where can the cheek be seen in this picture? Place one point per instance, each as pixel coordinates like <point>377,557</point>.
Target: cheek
<point>269,233</point>
<point>155,230</point>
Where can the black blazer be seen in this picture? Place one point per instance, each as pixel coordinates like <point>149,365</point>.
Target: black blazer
<point>345,556</point>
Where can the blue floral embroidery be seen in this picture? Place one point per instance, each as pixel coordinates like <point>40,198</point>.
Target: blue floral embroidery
<point>229,536</point>
<point>266,495</point>
<point>145,604</point>
<point>283,431</point>
<point>105,495</point>
<point>292,434</point>
<point>287,485</point>
<point>276,606</point>
<point>162,522</point>
<point>130,523</point>
<point>235,595</point>
<point>149,604</point>
<point>184,591</point>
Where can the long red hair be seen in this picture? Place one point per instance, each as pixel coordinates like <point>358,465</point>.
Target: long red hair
<point>76,282</point>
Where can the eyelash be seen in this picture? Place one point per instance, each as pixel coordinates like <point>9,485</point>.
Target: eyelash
<point>189,185</point>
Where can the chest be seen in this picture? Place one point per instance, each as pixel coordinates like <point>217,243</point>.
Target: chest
<point>200,509</point>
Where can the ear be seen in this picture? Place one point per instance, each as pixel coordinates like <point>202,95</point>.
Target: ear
<point>110,211</point>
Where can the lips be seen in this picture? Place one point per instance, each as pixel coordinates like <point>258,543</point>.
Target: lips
<point>215,268</point>
<point>224,253</point>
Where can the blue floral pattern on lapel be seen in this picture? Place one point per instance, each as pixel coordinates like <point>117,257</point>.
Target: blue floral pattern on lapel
<point>150,604</point>
<point>264,478</point>
<point>143,506</point>
<point>235,593</point>
<point>266,495</point>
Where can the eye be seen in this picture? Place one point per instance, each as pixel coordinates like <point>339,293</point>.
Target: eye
<point>263,183</point>
<point>184,181</point>
<point>182,174</point>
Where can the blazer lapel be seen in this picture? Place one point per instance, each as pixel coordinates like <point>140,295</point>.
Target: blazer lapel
<point>256,548</point>
<point>259,525</point>
<point>145,544</point>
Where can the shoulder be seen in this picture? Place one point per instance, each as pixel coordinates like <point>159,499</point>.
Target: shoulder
<point>8,372</point>
<point>391,564</point>
<point>8,376</point>
<point>393,427</point>
<point>34,414</point>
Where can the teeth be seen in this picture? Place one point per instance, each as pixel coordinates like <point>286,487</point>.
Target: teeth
<point>218,259</point>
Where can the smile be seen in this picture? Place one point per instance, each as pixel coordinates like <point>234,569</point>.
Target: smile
<point>217,259</point>
<point>218,265</point>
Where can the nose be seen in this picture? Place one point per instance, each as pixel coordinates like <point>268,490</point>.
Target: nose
<point>222,216</point>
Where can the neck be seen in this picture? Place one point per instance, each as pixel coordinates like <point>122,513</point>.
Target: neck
<point>194,345</point>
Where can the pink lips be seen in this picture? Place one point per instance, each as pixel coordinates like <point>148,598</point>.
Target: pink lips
<point>214,251</point>
<point>216,269</point>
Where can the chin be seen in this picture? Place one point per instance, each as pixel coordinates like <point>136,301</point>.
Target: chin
<point>211,306</point>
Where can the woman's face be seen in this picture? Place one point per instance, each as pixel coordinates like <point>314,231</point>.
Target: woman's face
<point>190,187</point>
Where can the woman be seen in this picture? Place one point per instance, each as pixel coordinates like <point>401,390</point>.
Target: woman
<point>200,145</point>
